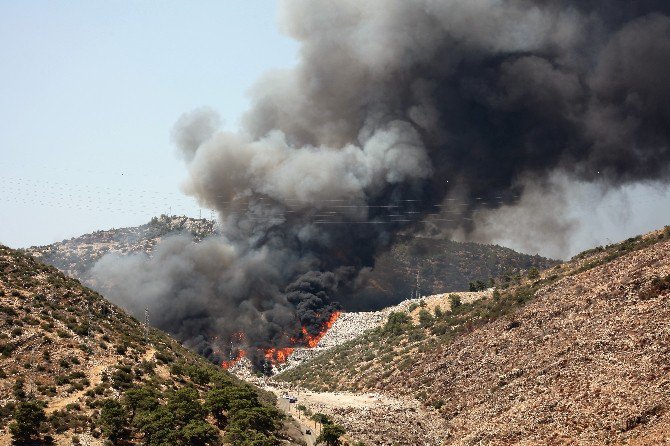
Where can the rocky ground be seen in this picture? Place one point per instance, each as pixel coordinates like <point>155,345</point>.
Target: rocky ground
<point>373,418</point>
<point>66,347</point>
<point>76,256</point>
<point>349,326</point>
<point>586,361</point>
<point>376,418</point>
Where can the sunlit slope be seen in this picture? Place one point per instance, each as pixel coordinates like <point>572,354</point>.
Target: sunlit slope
<point>576,355</point>
<point>100,374</point>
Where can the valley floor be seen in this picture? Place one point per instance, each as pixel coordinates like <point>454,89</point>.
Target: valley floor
<point>373,418</point>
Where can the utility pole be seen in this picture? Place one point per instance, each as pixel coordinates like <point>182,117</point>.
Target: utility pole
<point>146,324</point>
<point>31,382</point>
<point>90,321</point>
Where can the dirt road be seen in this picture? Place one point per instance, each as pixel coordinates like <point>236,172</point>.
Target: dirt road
<point>374,418</point>
<point>306,425</point>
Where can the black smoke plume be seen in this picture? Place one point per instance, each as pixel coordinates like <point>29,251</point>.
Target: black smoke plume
<point>400,114</point>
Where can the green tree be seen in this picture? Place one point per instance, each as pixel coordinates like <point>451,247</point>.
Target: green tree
<point>397,322</point>
<point>112,419</point>
<point>217,402</point>
<point>438,312</point>
<point>185,406</point>
<point>533,273</point>
<point>159,427</point>
<point>142,399</point>
<point>28,418</point>
<point>199,375</point>
<point>330,435</point>
<point>321,418</point>
<point>259,419</point>
<point>239,437</point>
<point>242,398</point>
<point>425,318</point>
<point>200,433</point>
<point>454,301</point>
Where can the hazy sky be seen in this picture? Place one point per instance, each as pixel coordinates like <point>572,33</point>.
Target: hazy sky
<point>90,91</point>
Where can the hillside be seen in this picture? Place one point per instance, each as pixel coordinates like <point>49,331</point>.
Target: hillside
<point>75,369</point>
<point>76,256</point>
<point>443,264</point>
<point>577,354</point>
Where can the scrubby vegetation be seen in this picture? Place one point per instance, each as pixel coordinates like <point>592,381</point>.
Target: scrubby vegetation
<point>390,349</point>
<point>73,364</point>
<point>444,265</point>
<point>603,254</point>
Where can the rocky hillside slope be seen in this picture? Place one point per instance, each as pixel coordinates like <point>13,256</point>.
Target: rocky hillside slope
<point>75,369</point>
<point>443,265</point>
<point>351,325</point>
<point>578,354</point>
<point>76,256</point>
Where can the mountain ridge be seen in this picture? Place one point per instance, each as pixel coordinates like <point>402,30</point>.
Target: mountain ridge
<point>441,263</point>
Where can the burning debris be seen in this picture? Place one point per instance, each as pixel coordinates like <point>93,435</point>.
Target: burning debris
<point>279,355</point>
<point>400,115</point>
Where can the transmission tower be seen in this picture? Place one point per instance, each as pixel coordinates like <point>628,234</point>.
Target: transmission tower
<point>417,287</point>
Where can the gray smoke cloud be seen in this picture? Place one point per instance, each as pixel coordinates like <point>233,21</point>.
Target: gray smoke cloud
<point>398,112</point>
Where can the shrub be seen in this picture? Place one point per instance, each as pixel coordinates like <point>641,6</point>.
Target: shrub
<point>397,323</point>
<point>28,418</point>
<point>7,349</point>
<point>122,378</point>
<point>425,318</point>
<point>199,375</point>
<point>454,301</point>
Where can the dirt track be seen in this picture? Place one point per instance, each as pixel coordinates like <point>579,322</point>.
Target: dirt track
<point>368,417</point>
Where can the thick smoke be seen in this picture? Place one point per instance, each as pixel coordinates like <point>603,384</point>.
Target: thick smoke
<point>396,109</point>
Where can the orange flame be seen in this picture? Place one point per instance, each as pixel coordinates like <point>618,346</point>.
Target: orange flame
<point>313,340</point>
<point>228,364</point>
<point>279,355</point>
